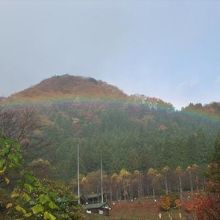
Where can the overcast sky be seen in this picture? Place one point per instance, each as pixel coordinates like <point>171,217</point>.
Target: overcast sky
<point>166,49</point>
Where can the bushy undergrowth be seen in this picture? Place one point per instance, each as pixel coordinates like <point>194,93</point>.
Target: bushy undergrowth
<point>27,197</point>
<point>169,201</point>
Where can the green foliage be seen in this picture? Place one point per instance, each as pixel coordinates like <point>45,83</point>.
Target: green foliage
<point>43,199</point>
<point>10,158</point>
<point>37,209</point>
<point>216,157</point>
<point>213,172</point>
<point>49,216</point>
<point>149,133</point>
<point>149,137</point>
<point>33,198</point>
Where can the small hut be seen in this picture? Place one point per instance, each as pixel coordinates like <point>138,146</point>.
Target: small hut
<point>93,204</point>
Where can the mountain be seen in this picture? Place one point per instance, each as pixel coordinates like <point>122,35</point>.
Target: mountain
<point>131,132</point>
<point>70,86</point>
<point>212,109</point>
<point>77,87</point>
<point>151,101</point>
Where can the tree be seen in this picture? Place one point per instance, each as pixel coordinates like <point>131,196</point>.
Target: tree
<point>189,170</point>
<point>207,206</point>
<point>165,171</point>
<point>32,198</point>
<point>10,158</point>
<point>195,169</point>
<point>216,157</point>
<point>214,167</point>
<point>137,183</point>
<point>125,177</point>
<point>116,186</point>
<point>153,174</point>
<point>19,122</point>
<point>179,173</point>
<point>42,169</point>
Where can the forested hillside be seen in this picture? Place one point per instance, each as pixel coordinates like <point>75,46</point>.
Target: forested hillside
<point>131,132</point>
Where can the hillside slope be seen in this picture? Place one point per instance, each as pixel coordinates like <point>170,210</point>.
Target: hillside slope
<point>136,132</point>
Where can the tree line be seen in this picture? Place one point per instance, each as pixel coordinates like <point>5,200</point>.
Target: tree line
<point>153,183</point>
<point>132,136</point>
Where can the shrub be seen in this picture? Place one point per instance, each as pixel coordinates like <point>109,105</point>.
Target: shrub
<point>43,200</point>
<point>31,198</point>
<point>165,203</point>
<point>169,201</point>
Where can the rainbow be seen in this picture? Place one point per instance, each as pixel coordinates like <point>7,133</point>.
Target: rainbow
<point>153,103</point>
<point>203,114</point>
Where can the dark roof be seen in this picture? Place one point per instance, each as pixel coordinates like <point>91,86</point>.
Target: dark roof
<point>95,205</point>
<point>91,196</point>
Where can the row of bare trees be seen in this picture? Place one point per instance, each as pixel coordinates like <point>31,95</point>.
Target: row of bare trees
<point>127,185</point>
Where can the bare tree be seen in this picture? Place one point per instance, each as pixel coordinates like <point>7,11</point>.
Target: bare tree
<point>179,173</point>
<point>18,122</point>
<point>152,173</point>
<point>165,171</point>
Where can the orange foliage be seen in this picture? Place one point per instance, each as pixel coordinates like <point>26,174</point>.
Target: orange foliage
<point>178,203</point>
<point>205,207</point>
<point>165,203</point>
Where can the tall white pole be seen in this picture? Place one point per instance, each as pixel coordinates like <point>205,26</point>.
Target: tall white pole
<point>78,174</point>
<point>101,182</point>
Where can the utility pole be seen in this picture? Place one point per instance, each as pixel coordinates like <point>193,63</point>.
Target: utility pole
<point>102,199</point>
<point>78,174</point>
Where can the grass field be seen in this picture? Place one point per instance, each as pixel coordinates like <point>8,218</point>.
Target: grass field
<point>139,210</point>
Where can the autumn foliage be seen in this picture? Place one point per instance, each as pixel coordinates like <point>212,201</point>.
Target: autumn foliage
<point>204,206</point>
<point>169,201</point>
<point>165,203</point>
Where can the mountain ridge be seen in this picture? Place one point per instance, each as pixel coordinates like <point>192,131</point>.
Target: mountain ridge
<point>73,87</point>
<point>69,85</point>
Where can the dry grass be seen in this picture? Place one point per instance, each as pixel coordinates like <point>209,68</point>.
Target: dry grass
<point>144,209</point>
